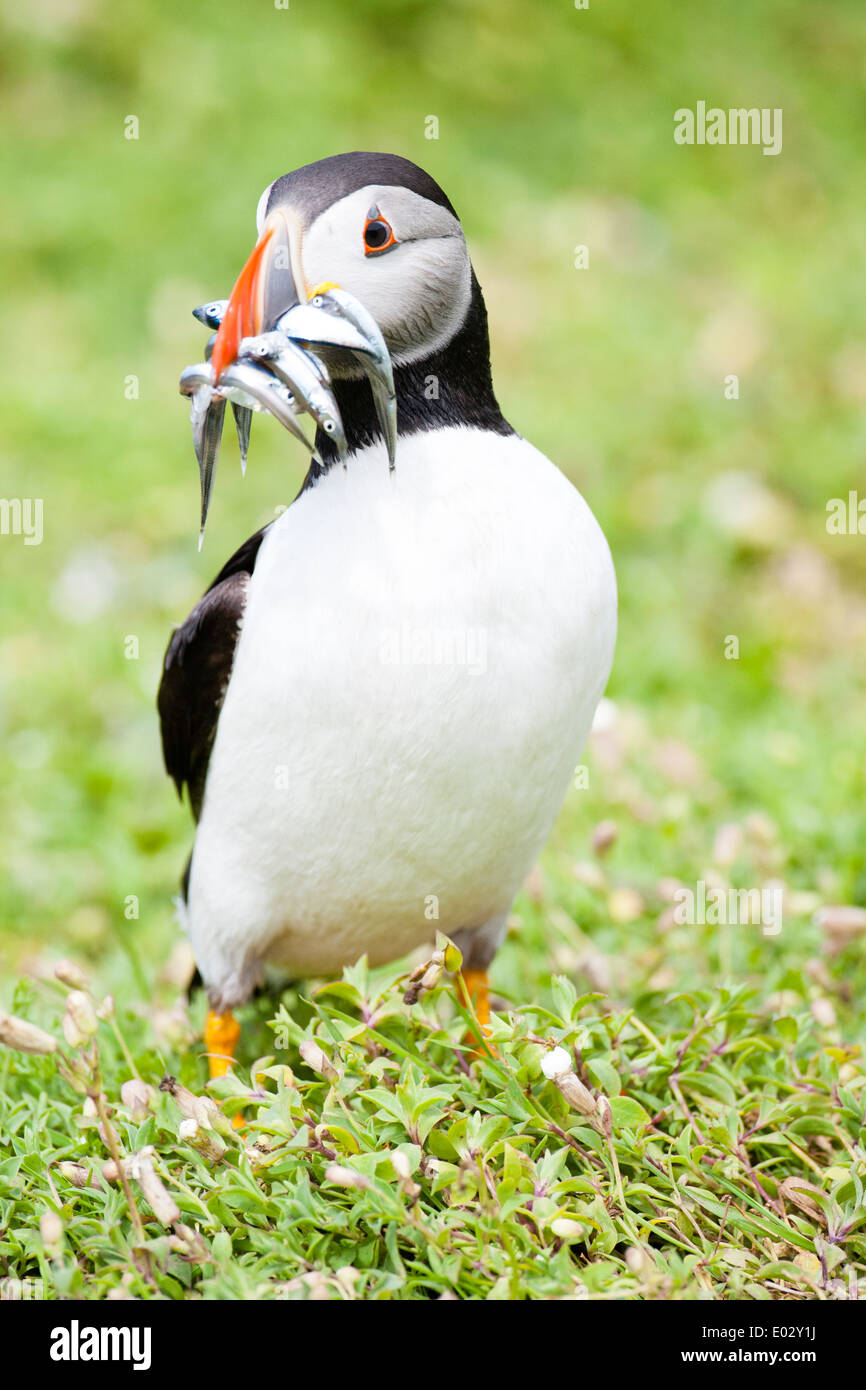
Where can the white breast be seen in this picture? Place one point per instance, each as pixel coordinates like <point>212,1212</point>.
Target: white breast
<point>418,666</point>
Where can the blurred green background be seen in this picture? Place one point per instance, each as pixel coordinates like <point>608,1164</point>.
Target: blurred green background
<point>555,129</point>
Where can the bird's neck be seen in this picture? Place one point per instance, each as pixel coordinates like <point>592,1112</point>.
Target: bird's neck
<point>452,386</point>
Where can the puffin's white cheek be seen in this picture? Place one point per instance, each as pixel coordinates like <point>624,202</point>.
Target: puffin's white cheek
<point>370,279</point>
<point>418,294</point>
<point>424,297</point>
<point>330,258</point>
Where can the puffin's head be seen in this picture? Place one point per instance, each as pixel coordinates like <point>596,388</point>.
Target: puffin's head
<point>358,306</point>
<point>374,225</point>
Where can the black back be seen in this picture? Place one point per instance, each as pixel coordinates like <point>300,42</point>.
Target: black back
<point>196,671</point>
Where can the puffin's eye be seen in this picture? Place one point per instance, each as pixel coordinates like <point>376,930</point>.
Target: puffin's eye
<point>378,233</point>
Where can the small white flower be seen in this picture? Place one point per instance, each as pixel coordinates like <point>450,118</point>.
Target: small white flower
<point>318,1059</point>
<point>400,1164</point>
<point>25,1037</point>
<point>50,1227</point>
<point>137,1096</point>
<point>70,974</point>
<point>80,1008</point>
<point>568,1230</point>
<point>556,1063</point>
<point>71,1032</point>
<point>202,1138</point>
<point>345,1177</point>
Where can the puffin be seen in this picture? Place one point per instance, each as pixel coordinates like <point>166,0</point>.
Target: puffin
<point>377,706</point>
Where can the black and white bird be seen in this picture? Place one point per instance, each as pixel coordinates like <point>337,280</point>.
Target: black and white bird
<point>378,705</point>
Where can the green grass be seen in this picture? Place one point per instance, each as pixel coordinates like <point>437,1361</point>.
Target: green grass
<point>717,1157</point>
<point>732,1060</point>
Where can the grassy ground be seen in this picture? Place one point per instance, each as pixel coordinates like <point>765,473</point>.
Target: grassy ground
<point>724,1064</point>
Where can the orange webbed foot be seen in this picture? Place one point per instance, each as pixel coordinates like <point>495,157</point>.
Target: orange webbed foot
<point>221,1034</point>
<point>473,989</point>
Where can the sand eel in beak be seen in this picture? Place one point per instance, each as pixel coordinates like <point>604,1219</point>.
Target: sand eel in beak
<point>263,358</point>
<point>379,703</point>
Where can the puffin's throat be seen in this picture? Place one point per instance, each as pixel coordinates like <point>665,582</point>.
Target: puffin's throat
<point>451,387</point>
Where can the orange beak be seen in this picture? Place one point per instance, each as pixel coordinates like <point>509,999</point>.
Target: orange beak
<point>243,313</point>
<point>265,289</point>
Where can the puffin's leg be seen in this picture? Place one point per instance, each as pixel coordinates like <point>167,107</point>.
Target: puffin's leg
<point>478,946</point>
<point>221,1033</point>
<point>476,984</point>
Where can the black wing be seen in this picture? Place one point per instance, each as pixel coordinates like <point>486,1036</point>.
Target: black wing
<point>196,670</point>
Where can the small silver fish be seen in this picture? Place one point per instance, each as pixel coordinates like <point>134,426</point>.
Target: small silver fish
<point>379,371</point>
<point>268,392</point>
<point>282,372</point>
<point>295,369</point>
<point>207,414</point>
<point>243,422</point>
<point>211,314</point>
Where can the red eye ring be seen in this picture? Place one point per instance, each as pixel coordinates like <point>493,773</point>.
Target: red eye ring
<point>378,233</point>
